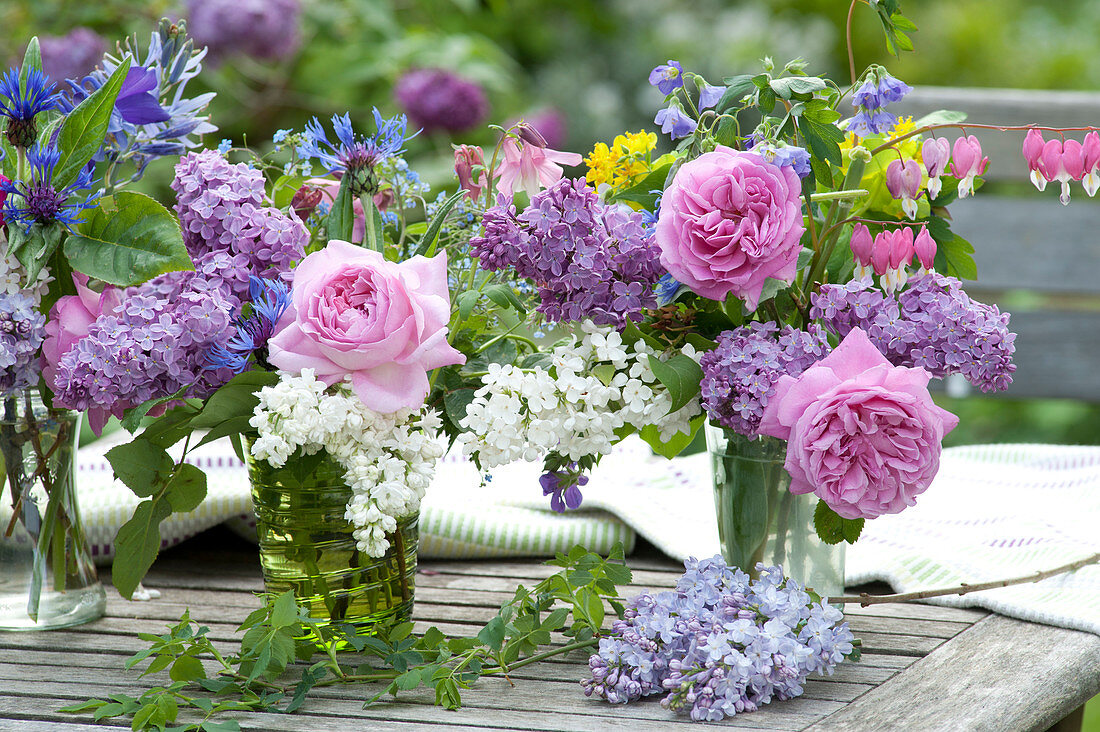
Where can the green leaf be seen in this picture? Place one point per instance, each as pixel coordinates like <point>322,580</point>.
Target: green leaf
<point>35,248</point>
<point>902,23</point>
<point>430,240</point>
<point>675,444</point>
<point>505,297</point>
<point>340,222</point>
<point>766,100</point>
<point>953,253</point>
<point>594,608</point>
<point>231,426</point>
<point>823,139</point>
<point>284,611</point>
<point>736,89</point>
<point>171,427</point>
<point>680,375</point>
<point>309,677</point>
<point>139,464</point>
<point>84,706</point>
<point>32,59</point>
<point>132,420</point>
<point>455,403</point>
<point>187,668</point>
<point>833,528</point>
<point>127,239</point>
<point>725,133</point>
<point>137,544</point>
<point>466,301</point>
<point>790,85</point>
<point>492,634</point>
<point>646,190</point>
<point>85,128</point>
<point>187,488</point>
<point>237,398</point>
<point>941,117</point>
<point>375,237</point>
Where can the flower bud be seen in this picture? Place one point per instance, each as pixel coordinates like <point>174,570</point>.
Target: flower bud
<point>925,248</point>
<point>305,200</point>
<point>530,135</point>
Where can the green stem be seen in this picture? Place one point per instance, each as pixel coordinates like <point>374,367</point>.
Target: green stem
<point>838,195</point>
<point>500,670</point>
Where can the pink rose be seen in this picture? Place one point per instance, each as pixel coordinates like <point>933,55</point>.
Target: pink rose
<point>728,221</point>
<point>71,317</point>
<point>384,323</point>
<point>861,433</point>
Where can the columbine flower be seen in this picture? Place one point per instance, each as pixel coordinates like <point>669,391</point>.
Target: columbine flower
<point>667,77</point>
<point>37,200</point>
<point>355,155</point>
<point>21,103</point>
<point>530,168</point>
<point>674,122</point>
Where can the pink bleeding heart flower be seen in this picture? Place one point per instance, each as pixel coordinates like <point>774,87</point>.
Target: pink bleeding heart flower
<point>530,168</point>
<point>1091,179</point>
<point>935,153</point>
<point>862,244</point>
<point>903,181</point>
<point>880,253</point>
<point>967,163</point>
<point>1062,162</point>
<point>925,249</point>
<point>383,324</point>
<point>863,435</point>
<point>1033,152</point>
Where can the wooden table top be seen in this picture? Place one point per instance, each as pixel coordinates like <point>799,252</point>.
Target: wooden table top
<point>923,667</point>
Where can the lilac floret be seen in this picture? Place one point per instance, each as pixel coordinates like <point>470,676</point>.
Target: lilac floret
<point>588,260</point>
<point>719,644</point>
<point>739,376</point>
<point>22,330</point>
<point>932,324</point>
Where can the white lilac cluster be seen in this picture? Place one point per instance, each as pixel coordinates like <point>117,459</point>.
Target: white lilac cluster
<point>719,644</point>
<point>390,458</point>
<point>12,276</point>
<point>572,406</point>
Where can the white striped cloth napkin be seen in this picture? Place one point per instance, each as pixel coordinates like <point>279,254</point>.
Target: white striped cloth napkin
<point>994,511</point>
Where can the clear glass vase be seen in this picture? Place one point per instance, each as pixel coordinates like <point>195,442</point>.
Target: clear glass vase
<point>760,520</point>
<point>47,578</point>
<point>306,545</point>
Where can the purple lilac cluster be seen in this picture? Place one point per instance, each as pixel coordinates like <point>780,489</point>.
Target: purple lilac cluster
<point>264,29</point>
<point>437,99</point>
<point>156,342</point>
<point>588,260</point>
<point>739,376</point>
<point>719,644</point>
<point>932,324</point>
<point>22,330</point>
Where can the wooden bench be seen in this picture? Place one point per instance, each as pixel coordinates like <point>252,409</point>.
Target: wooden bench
<point>1036,258</point>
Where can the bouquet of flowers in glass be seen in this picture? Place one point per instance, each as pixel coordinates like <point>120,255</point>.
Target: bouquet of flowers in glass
<point>72,235</point>
<point>793,281</point>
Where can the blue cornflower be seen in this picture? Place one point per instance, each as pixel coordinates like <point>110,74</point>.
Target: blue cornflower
<point>667,77</point>
<point>674,122</point>
<point>37,200</point>
<point>21,103</point>
<point>355,155</point>
<point>270,299</point>
<point>668,289</point>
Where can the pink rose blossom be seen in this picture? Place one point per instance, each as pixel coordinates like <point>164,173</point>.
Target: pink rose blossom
<point>862,434</point>
<point>71,317</point>
<point>729,221</point>
<point>383,323</point>
<point>531,168</point>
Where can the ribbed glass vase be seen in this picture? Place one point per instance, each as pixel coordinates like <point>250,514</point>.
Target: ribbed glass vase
<point>760,520</point>
<point>306,545</point>
<point>47,578</point>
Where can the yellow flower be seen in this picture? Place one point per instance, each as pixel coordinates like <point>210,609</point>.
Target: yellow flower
<point>622,163</point>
